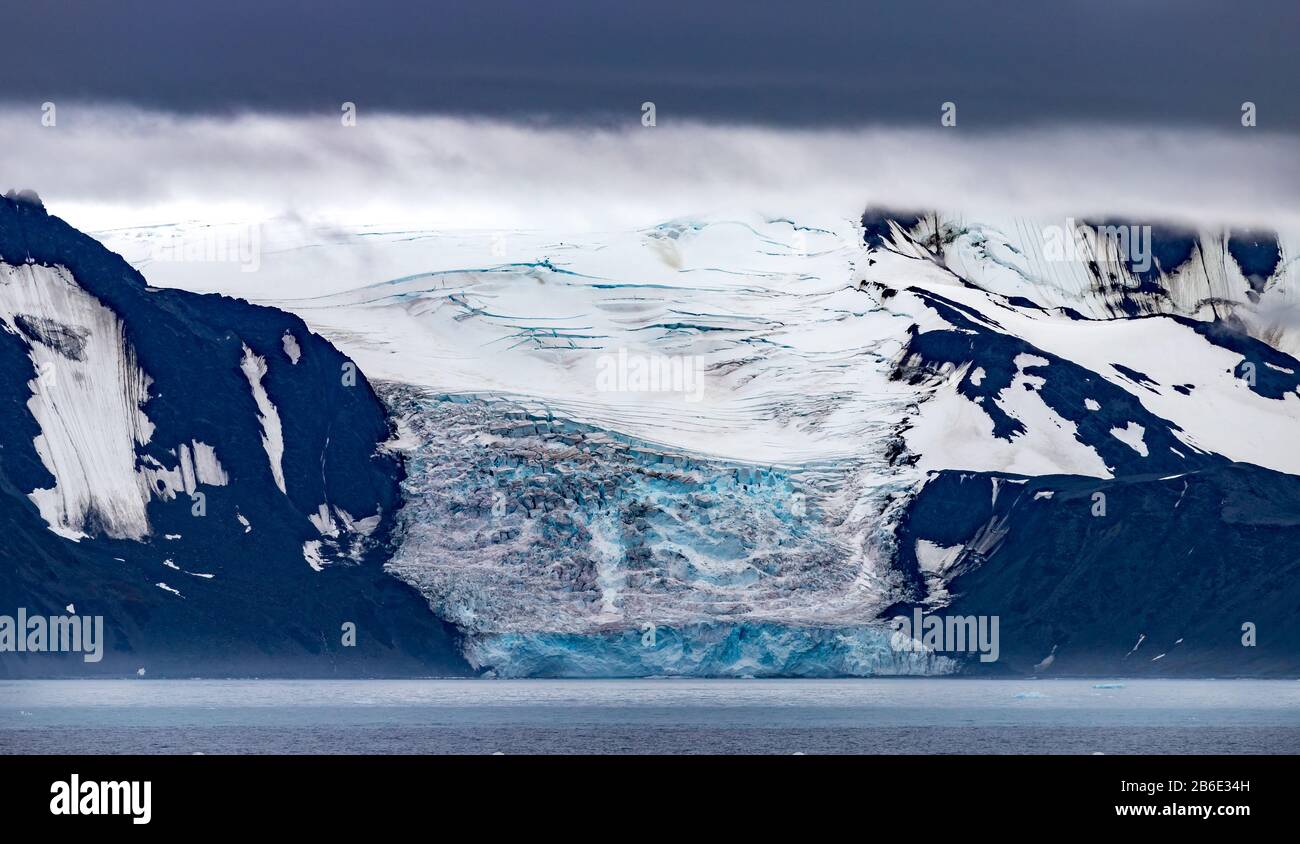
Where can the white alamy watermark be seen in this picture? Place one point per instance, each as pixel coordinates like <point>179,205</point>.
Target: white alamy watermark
<point>23,633</point>
<point>234,244</point>
<point>637,373</point>
<point>1083,242</point>
<point>924,633</point>
<point>124,797</point>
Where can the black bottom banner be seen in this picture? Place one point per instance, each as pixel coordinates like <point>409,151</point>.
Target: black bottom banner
<point>333,793</point>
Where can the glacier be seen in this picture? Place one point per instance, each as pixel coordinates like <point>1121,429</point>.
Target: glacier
<point>897,410</point>
<point>530,532</point>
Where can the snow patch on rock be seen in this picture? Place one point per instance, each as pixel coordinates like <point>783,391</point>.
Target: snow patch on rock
<point>311,552</point>
<point>86,398</point>
<point>1132,436</point>
<point>933,558</point>
<point>291,349</point>
<point>254,368</point>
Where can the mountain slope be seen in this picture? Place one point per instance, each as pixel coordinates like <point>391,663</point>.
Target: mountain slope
<point>206,474</point>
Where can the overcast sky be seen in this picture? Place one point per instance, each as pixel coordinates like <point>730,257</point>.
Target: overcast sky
<point>1006,63</point>
<point>527,113</point>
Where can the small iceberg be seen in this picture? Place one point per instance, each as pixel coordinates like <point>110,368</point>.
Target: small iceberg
<point>1029,695</point>
<point>1108,685</point>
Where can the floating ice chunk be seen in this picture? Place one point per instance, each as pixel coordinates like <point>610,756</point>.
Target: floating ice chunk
<point>1091,404</point>
<point>166,588</point>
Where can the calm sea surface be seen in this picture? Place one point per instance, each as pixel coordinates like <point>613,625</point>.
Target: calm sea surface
<point>650,716</point>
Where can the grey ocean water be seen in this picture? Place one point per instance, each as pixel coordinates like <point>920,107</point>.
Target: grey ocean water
<point>650,716</point>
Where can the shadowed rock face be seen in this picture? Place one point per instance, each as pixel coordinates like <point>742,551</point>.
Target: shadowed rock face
<point>1082,569</point>
<point>139,479</point>
<point>1177,550</point>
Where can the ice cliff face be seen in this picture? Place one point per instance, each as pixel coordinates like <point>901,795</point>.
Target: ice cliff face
<point>147,476</point>
<point>558,548</point>
<point>740,445</point>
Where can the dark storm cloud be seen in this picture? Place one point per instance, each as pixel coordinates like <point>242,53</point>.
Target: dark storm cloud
<point>1004,63</point>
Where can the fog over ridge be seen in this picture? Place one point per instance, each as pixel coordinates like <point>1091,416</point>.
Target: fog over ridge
<point>457,172</point>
